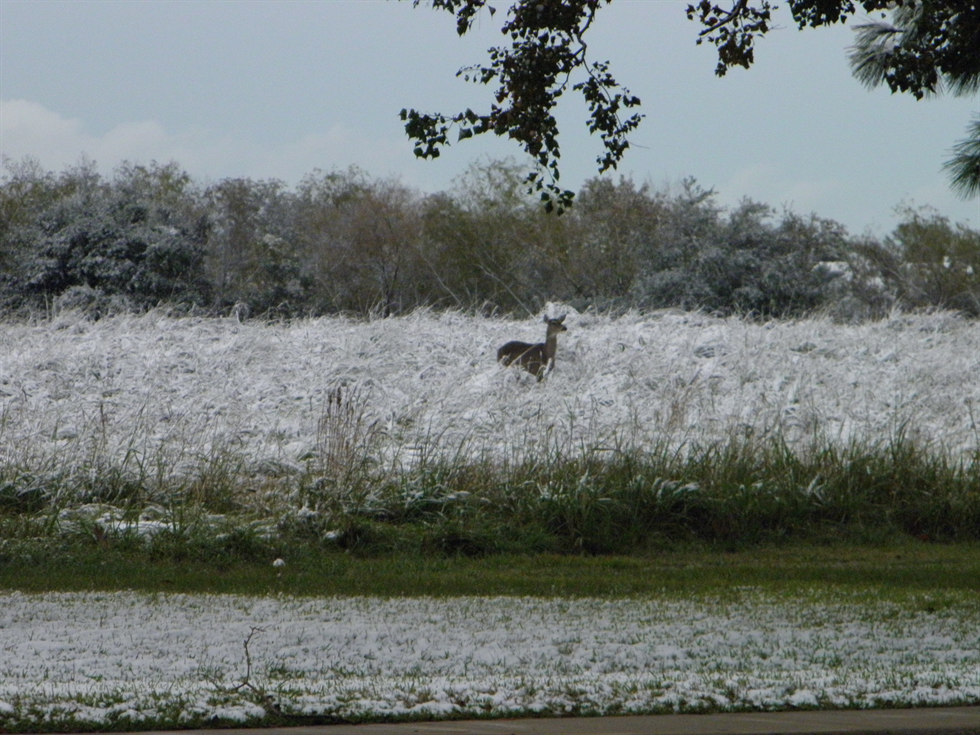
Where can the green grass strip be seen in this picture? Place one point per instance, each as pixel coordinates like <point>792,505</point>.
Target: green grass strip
<point>906,568</point>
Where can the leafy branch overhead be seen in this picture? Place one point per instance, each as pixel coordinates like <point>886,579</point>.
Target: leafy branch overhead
<point>919,47</point>
<point>547,49</point>
<point>914,46</point>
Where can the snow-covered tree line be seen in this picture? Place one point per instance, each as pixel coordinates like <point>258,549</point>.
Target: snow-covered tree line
<point>340,241</point>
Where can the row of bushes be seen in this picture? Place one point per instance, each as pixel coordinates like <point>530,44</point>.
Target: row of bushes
<point>343,242</point>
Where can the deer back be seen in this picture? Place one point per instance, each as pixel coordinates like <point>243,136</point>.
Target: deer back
<point>530,357</point>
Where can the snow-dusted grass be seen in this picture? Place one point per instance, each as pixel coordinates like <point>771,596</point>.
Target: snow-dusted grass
<point>128,660</point>
<point>315,419</point>
<point>165,395</point>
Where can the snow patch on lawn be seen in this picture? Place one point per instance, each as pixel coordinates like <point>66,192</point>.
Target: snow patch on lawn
<point>99,657</point>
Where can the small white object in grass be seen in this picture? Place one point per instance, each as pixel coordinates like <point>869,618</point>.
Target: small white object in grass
<point>279,563</point>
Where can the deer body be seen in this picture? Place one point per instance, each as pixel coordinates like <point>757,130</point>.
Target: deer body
<point>538,358</point>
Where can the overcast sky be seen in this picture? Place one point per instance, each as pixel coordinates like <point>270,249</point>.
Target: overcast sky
<point>278,88</point>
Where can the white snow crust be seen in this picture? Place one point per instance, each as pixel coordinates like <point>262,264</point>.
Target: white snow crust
<point>172,394</point>
<point>105,657</point>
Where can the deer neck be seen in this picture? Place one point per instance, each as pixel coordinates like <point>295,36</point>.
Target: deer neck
<point>551,346</point>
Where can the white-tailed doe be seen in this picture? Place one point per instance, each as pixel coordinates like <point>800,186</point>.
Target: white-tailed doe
<point>536,359</point>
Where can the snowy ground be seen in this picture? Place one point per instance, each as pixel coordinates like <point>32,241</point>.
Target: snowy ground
<point>168,395</point>
<point>165,396</point>
<point>102,657</point>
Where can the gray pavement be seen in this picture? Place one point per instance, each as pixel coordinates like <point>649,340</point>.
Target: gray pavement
<point>927,721</point>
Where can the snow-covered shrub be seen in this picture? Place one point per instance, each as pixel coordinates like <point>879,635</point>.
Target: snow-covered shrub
<point>700,257</point>
<point>94,240</point>
<point>92,302</point>
<point>928,262</point>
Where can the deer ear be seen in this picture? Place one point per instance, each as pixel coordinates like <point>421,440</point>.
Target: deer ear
<point>561,318</point>
<point>546,319</point>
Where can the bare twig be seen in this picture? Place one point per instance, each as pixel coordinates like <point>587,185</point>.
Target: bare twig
<point>267,701</point>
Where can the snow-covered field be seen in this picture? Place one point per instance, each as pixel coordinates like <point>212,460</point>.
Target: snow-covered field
<point>102,657</point>
<point>162,397</point>
<point>168,395</point>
